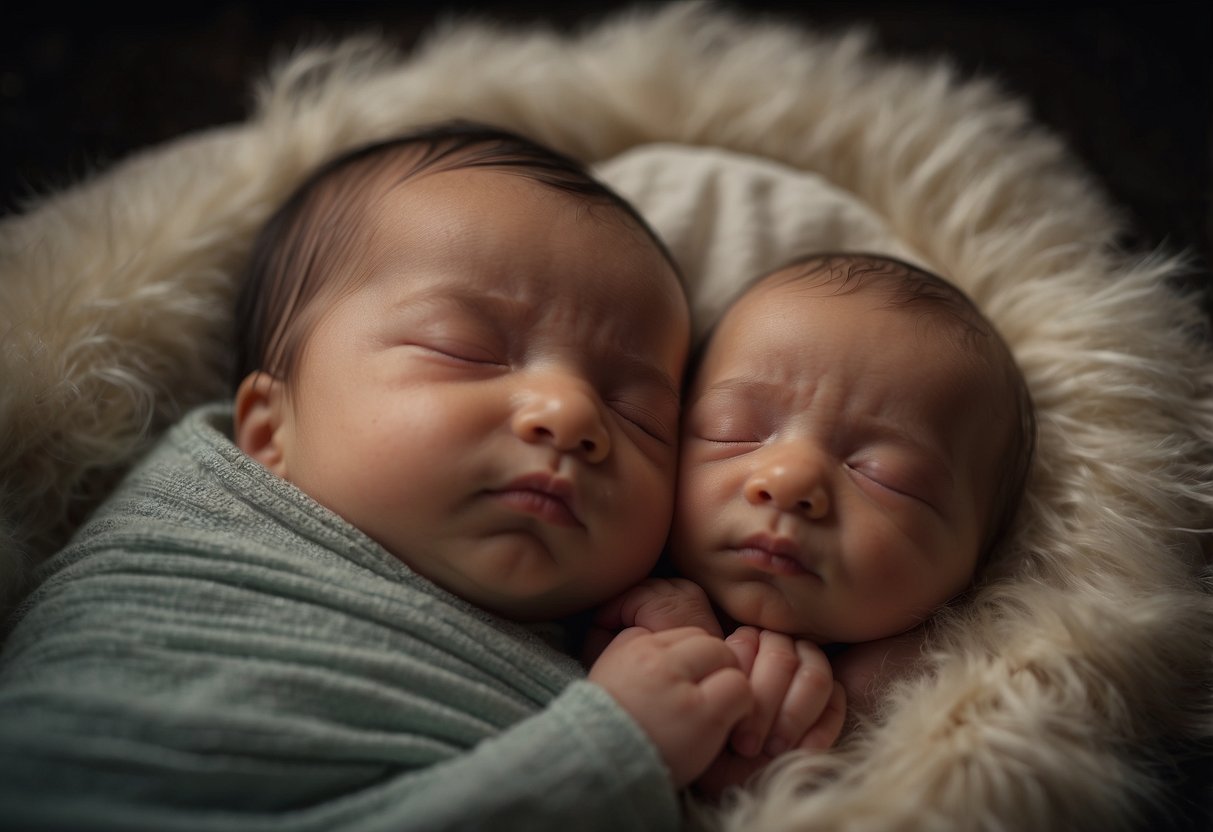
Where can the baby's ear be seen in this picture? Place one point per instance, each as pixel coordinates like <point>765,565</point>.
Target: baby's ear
<point>258,420</point>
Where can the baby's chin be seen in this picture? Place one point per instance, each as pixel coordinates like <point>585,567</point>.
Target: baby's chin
<point>759,604</point>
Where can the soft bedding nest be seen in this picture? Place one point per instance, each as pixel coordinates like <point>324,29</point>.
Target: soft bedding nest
<point>1055,697</point>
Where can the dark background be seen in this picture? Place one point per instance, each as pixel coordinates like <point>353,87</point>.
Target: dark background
<point>1129,87</point>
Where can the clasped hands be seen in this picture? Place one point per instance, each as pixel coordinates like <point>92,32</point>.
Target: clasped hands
<point>718,709</point>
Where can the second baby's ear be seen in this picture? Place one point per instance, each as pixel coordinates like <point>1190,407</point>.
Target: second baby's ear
<point>258,420</point>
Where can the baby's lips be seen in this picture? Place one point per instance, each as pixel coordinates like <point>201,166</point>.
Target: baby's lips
<point>546,496</point>
<point>774,553</point>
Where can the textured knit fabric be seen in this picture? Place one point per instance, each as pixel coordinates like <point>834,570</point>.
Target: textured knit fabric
<point>216,651</point>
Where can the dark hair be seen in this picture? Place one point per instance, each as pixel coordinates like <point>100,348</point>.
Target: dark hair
<point>321,224</point>
<point>907,286</point>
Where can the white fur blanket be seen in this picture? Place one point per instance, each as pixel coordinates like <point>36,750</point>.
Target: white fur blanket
<point>1052,695</point>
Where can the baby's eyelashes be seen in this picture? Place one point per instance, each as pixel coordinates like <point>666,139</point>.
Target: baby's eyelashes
<point>726,428</point>
<point>464,353</point>
<point>654,424</point>
<point>727,438</point>
<point>889,482</point>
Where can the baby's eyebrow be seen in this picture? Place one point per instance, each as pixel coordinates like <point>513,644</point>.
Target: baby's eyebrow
<point>494,308</point>
<point>746,387</point>
<point>650,373</point>
<point>479,304</point>
<point>868,426</point>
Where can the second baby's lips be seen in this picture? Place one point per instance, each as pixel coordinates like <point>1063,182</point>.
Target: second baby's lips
<point>774,554</point>
<point>548,497</point>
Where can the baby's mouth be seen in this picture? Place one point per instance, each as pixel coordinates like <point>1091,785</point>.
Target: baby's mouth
<point>542,495</point>
<point>778,555</point>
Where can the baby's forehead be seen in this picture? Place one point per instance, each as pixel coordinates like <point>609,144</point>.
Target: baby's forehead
<point>921,315</point>
<point>495,244</point>
<point>894,281</point>
<point>870,286</point>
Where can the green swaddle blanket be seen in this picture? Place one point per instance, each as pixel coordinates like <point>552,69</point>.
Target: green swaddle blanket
<point>215,650</point>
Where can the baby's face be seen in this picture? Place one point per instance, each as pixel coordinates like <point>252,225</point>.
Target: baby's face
<point>838,463</point>
<point>497,405</point>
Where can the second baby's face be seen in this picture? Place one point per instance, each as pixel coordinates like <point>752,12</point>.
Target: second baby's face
<point>496,404</point>
<point>838,463</point>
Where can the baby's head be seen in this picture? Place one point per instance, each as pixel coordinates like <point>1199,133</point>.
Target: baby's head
<point>468,348</point>
<point>856,438</point>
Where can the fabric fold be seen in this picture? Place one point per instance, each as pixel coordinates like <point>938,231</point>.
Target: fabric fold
<point>216,651</point>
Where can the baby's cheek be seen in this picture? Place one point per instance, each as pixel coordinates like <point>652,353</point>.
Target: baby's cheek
<point>642,505</point>
<point>886,573</point>
<point>881,561</point>
<point>704,489</point>
<point>689,526</point>
<point>896,589</point>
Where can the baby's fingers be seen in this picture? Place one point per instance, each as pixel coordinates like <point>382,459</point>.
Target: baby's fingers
<point>727,697</point>
<point>664,604</point>
<point>829,727</point>
<point>694,654</point>
<point>806,705</point>
<point>774,669</point>
<point>744,643</point>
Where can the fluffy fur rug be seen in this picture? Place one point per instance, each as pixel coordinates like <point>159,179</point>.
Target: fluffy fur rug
<point>1052,695</point>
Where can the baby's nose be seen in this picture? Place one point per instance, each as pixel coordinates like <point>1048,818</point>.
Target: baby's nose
<point>565,413</point>
<point>797,485</point>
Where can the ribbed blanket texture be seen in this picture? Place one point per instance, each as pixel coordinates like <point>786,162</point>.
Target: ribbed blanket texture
<point>217,651</point>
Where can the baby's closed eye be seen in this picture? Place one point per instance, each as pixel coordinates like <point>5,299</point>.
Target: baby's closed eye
<point>651,417</point>
<point>896,475</point>
<point>729,420</point>
<point>459,350</point>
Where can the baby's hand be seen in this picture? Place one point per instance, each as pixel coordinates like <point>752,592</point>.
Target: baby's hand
<point>655,604</point>
<point>660,604</point>
<point>683,687</point>
<point>798,704</point>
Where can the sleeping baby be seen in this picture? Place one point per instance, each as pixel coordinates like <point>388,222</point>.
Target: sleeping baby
<point>458,374</point>
<point>856,440</point>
